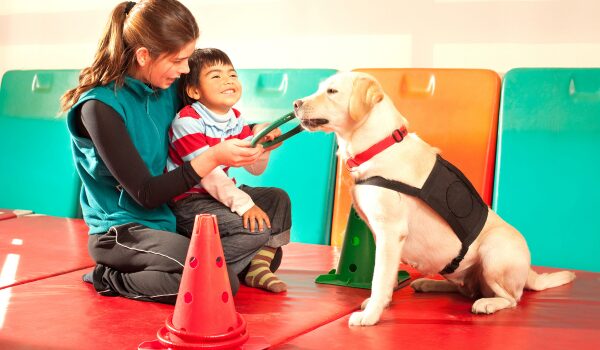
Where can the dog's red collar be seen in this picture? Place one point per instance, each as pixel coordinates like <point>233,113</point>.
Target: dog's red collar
<point>396,136</point>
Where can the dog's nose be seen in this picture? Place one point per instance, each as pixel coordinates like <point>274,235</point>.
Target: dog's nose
<point>297,104</point>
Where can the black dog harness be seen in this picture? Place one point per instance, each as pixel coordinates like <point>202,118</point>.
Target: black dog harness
<point>452,196</point>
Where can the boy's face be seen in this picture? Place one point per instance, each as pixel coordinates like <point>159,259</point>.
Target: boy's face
<point>219,88</point>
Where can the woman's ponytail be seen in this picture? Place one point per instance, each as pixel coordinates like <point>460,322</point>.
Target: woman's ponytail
<point>162,26</point>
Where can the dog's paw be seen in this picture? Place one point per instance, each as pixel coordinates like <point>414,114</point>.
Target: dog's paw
<point>364,318</point>
<point>425,285</point>
<point>489,305</point>
<point>420,285</point>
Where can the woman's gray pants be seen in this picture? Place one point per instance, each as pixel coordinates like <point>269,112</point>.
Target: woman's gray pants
<point>142,263</point>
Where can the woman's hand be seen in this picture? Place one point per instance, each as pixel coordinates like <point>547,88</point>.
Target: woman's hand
<point>233,152</point>
<point>256,215</point>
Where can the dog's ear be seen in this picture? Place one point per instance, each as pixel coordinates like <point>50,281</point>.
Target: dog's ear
<point>365,94</point>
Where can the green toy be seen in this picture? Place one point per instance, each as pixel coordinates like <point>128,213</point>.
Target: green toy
<point>277,123</point>
<point>357,260</point>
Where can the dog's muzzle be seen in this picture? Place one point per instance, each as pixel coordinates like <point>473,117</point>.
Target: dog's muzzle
<point>307,122</point>
<point>314,122</point>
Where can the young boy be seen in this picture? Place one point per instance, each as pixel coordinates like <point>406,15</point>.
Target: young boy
<point>209,91</point>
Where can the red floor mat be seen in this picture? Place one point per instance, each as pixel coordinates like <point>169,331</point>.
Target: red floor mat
<point>6,214</point>
<point>62,312</point>
<point>566,317</point>
<point>34,247</point>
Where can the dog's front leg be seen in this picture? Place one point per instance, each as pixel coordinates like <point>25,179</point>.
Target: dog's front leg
<point>390,238</point>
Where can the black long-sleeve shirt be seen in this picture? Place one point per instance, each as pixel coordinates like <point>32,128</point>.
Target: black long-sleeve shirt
<point>104,126</point>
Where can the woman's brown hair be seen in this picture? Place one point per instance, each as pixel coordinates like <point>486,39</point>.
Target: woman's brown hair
<point>161,26</point>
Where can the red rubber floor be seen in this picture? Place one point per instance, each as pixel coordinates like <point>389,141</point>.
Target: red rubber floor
<point>566,317</point>
<point>62,312</point>
<point>35,247</point>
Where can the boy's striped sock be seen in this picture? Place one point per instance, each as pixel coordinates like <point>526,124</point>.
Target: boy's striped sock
<point>260,276</point>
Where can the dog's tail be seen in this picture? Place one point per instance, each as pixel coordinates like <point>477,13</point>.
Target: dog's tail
<point>543,281</point>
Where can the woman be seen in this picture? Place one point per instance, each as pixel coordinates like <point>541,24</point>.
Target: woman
<point>118,117</point>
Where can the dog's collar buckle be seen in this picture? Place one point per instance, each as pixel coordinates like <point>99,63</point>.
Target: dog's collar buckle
<point>398,134</point>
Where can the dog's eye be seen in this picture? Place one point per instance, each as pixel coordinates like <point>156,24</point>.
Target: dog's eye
<point>332,91</point>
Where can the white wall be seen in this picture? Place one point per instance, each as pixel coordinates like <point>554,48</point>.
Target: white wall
<point>341,34</point>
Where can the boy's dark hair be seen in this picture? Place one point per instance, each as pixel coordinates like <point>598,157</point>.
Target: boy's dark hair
<point>199,59</point>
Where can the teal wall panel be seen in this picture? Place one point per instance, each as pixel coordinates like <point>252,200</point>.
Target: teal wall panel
<point>304,166</point>
<point>37,167</point>
<point>548,164</point>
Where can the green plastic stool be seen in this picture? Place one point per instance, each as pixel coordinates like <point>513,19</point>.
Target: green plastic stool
<point>357,261</point>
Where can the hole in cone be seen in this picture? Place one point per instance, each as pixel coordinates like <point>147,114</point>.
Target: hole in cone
<point>219,261</point>
<point>352,267</point>
<point>225,297</point>
<point>193,262</point>
<point>188,298</point>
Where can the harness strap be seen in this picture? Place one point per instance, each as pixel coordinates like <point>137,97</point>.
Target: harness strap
<point>390,185</point>
<point>453,265</point>
<point>425,194</point>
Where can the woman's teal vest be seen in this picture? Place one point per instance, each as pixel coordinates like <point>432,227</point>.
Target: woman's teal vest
<point>147,114</point>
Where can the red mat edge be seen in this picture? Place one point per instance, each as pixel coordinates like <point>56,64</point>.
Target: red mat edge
<point>59,273</point>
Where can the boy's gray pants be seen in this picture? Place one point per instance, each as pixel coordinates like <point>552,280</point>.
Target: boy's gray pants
<point>273,201</point>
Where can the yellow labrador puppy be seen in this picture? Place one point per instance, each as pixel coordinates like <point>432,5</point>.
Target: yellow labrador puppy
<point>421,209</point>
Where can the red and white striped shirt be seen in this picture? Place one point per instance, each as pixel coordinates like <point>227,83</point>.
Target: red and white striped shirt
<point>194,130</point>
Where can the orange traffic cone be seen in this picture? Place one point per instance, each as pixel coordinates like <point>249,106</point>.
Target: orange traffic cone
<point>204,316</point>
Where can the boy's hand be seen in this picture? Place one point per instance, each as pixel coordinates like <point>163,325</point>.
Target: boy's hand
<point>268,137</point>
<point>235,152</point>
<point>271,136</point>
<point>256,215</point>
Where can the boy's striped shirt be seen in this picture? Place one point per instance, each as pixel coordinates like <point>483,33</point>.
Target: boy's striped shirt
<point>194,130</point>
